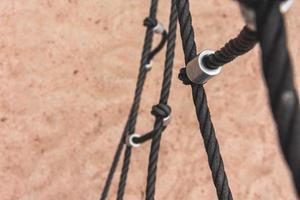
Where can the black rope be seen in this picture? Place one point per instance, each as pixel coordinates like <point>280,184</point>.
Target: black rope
<point>161,110</point>
<point>159,47</point>
<point>240,45</point>
<point>151,23</point>
<point>144,62</point>
<point>202,110</point>
<point>130,125</point>
<point>278,73</point>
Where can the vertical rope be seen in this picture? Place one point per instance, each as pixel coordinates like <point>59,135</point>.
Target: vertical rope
<point>134,111</point>
<point>202,111</point>
<point>167,77</point>
<point>278,73</point>
<point>130,125</point>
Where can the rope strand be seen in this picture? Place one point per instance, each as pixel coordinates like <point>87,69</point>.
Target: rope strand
<point>132,121</point>
<point>202,111</point>
<point>130,125</point>
<point>164,96</point>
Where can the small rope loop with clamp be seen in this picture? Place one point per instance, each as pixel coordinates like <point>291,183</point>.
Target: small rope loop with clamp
<point>160,111</point>
<point>158,28</point>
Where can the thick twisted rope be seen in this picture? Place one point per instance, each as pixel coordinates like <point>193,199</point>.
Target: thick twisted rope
<point>164,96</point>
<point>278,73</point>
<point>130,125</point>
<point>240,45</point>
<point>200,101</point>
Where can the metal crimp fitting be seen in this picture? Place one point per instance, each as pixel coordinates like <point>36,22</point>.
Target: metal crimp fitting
<point>159,28</point>
<point>196,70</point>
<point>148,66</point>
<point>167,120</point>
<point>285,5</point>
<point>130,142</point>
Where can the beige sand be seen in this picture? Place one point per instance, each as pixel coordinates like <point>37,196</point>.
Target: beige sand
<point>68,72</point>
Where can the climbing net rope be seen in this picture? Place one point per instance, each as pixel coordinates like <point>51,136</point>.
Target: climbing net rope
<point>264,25</point>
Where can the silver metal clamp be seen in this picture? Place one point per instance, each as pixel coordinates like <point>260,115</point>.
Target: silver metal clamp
<point>285,5</point>
<point>167,120</point>
<point>148,66</point>
<point>130,142</point>
<point>159,28</point>
<point>196,70</point>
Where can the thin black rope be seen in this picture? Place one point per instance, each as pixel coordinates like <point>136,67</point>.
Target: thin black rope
<point>278,73</point>
<point>159,47</point>
<point>151,23</point>
<point>202,110</point>
<point>130,125</point>
<point>238,46</point>
<point>132,121</point>
<point>164,96</point>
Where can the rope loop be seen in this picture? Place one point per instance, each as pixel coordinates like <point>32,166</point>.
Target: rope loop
<point>161,111</point>
<point>150,22</point>
<point>158,28</point>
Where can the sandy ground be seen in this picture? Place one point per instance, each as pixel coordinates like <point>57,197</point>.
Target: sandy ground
<point>67,75</point>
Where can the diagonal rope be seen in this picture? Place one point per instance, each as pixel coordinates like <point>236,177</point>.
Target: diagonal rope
<point>132,122</point>
<point>202,111</point>
<point>130,125</point>
<point>164,96</point>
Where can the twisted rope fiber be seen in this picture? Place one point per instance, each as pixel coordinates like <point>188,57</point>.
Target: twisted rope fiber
<point>160,111</point>
<point>144,61</point>
<point>130,125</point>
<point>238,46</point>
<point>200,101</point>
<point>164,96</point>
<point>278,73</point>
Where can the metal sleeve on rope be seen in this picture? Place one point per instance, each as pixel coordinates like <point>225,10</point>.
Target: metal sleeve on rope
<point>209,63</point>
<point>199,97</point>
<point>198,72</point>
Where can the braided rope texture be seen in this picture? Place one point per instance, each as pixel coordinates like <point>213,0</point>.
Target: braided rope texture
<point>278,73</point>
<point>164,96</point>
<point>130,125</point>
<point>238,46</point>
<point>200,101</point>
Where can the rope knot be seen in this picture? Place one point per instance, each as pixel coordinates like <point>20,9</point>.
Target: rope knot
<point>183,77</point>
<point>161,110</point>
<point>150,22</point>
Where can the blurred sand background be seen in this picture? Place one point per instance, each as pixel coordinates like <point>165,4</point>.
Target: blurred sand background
<point>67,75</point>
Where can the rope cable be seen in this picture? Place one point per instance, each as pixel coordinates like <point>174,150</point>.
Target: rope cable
<point>203,115</point>
<point>130,125</point>
<point>164,96</point>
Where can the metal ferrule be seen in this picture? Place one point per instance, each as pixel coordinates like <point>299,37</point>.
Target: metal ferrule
<point>130,142</point>
<point>196,70</point>
<point>286,5</point>
<point>159,28</point>
<point>167,120</point>
<point>148,66</point>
